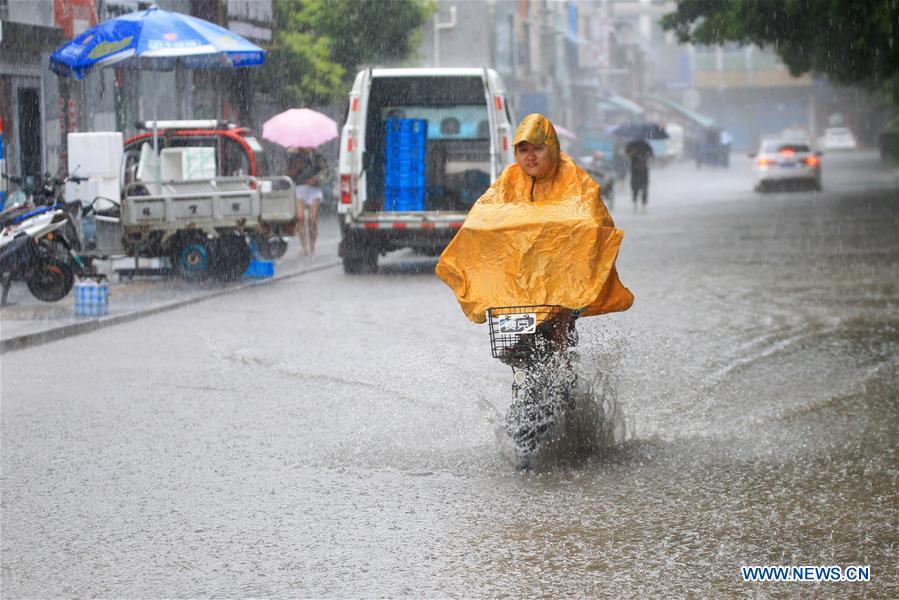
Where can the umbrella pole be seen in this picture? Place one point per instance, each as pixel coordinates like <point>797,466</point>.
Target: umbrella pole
<point>157,171</point>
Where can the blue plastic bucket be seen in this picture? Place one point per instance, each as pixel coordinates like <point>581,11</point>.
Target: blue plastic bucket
<point>260,269</point>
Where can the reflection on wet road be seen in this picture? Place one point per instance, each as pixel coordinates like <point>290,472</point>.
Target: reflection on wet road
<point>337,436</point>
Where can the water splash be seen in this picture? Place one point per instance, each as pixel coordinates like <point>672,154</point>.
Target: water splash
<point>595,421</point>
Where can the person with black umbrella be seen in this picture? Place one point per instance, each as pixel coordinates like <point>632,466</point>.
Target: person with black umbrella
<point>639,152</point>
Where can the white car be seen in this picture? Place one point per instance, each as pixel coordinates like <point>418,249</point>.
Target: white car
<point>837,138</point>
<point>787,163</point>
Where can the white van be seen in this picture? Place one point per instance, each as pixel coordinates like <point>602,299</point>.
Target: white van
<point>468,144</point>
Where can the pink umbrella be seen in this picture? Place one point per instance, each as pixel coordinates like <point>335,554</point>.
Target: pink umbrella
<point>565,133</point>
<point>299,128</point>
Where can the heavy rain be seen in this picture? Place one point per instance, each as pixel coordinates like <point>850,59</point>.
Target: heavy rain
<point>299,301</point>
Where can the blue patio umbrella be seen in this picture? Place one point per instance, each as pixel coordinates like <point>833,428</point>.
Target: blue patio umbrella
<point>158,40</point>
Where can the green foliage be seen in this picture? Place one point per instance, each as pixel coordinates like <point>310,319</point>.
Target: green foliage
<point>319,44</point>
<point>851,41</point>
<point>366,32</point>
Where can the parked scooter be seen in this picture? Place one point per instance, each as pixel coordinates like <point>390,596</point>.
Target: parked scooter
<point>35,195</point>
<point>26,254</point>
<point>39,238</point>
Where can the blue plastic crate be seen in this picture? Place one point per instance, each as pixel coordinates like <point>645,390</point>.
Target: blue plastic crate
<point>399,169</point>
<point>404,162</point>
<point>406,151</point>
<point>405,180</point>
<point>406,141</point>
<point>404,199</point>
<point>409,155</point>
<point>260,269</point>
<point>400,125</point>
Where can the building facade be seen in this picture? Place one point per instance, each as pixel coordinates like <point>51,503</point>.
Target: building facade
<point>590,63</point>
<point>557,58</point>
<point>38,109</point>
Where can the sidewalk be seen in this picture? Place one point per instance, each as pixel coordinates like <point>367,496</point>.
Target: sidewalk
<point>26,321</point>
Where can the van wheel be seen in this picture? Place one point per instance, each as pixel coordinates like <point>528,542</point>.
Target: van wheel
<point>357,265</point>
<point>232,257</point>
<point>353,266</point>
<point>192,257</point>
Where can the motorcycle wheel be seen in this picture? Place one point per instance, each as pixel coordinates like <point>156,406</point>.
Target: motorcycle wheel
<point>50,279</point>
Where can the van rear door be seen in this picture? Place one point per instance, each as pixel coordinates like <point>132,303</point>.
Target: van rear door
<point>351,164</point>
<point>502,119</point>
<point>461,156</point>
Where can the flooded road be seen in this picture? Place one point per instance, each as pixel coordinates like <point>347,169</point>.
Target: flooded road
<point>336,436</point>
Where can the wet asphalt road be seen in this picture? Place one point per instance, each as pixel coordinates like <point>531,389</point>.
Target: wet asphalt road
<point>336,436</point>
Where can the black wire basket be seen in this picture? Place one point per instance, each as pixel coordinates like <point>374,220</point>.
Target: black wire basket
<point>513,330</point>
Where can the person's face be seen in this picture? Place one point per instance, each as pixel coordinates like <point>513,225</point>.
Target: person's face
<point>534,159</point>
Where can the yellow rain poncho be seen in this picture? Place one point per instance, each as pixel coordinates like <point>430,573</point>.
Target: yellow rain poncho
<point>533,241</point>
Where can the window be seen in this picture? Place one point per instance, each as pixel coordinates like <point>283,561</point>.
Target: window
<point>461,122</point>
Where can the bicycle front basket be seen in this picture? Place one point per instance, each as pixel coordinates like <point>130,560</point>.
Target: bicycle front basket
<point>512,329</point>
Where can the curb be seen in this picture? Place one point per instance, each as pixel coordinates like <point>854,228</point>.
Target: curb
<point>29,340</point>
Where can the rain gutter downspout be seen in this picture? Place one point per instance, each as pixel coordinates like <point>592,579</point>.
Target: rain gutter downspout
<point>438,26</point>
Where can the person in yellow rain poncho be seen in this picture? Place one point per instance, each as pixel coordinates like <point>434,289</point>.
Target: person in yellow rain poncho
<point>540,235</point>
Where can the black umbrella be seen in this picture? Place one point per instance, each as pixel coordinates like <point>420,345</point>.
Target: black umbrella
<point>641,131</point>
<point>638,147</point>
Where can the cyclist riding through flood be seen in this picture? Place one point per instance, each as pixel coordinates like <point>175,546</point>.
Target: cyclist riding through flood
<point>539,242</point>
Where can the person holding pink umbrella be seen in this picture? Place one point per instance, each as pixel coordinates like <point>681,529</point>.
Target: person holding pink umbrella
<point>306,167</point>
<point>301,131</point>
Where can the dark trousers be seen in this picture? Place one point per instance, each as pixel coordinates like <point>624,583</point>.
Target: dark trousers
<point>640,186</point>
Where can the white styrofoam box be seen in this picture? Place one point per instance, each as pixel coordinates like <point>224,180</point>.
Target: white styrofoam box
<point>148,164</point>
<point>95,153</point>
<point>86,191</point>
<point>199,163</point>
<point>187,163</point>
<point>171,165</point>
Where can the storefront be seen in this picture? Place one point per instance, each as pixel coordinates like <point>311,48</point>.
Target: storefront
<point>29,97</point>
